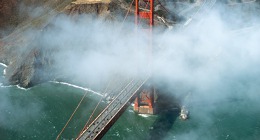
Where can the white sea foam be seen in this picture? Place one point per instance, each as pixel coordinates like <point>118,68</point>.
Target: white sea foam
<point>63,83</point>
<point>3,86</point>
<point>22,87</point>
<point>75,86</point>
<point>144,115</point>
<point>4,65</point>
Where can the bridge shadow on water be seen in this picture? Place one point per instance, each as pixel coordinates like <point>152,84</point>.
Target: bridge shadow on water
<point>168,109</point>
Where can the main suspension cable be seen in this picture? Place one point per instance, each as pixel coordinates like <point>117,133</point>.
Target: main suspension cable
<point>86,125</point>
<point>71,115</point>
<point>128,11</point>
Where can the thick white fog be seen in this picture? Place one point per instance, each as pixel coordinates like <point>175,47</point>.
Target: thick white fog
<point>211,61</point>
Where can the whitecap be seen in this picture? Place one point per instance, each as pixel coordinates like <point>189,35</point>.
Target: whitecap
<point>79,87</point>
<point>3,86</point>
<point>8,86</point>
<point>144,115</point>
<point>22,87</point>
<point>4,65</point>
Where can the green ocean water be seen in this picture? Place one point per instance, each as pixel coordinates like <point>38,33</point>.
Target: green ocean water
<point>41,112</point>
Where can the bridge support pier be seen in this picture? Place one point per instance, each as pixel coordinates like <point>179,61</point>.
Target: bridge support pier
<point>145,101</point>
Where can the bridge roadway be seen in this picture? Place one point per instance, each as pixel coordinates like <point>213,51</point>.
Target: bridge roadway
<point>112,112</point>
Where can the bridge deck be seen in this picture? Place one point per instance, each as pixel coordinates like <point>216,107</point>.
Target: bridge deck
<point>111,113</point>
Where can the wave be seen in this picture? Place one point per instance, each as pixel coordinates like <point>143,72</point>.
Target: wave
<point>144,115</point>
<point>79,87</point>
<point>8,86</point>
<point>4,65</point>
<point>22,87</point>
<point>63,83</point>
<point>1,85</point>
<point>4,72</point>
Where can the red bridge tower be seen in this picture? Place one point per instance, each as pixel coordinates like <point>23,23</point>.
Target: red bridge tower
<point>144,20</point>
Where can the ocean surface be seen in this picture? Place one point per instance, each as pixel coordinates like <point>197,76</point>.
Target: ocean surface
<point>40,113</point>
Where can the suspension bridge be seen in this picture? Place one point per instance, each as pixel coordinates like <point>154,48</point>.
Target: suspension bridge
<point>131,89</point>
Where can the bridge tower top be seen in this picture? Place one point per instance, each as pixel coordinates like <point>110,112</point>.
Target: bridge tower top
<point>144,9</point>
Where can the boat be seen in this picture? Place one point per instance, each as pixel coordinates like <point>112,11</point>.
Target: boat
<point>184,113</point>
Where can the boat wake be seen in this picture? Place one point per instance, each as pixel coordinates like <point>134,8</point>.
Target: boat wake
<point>79,87</point>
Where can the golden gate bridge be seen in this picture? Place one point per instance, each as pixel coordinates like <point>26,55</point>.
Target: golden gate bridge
<point>132,89</point>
